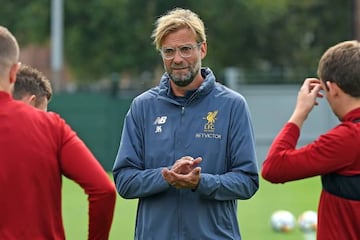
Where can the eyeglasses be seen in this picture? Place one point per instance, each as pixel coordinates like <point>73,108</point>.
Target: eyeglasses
<point>185,51</point>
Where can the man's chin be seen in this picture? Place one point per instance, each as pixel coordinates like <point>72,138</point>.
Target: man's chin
<point>182,83</point>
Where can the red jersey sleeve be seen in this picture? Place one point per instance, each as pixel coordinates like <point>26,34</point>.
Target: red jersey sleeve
<point>330,152</point>
<point>79,164</point>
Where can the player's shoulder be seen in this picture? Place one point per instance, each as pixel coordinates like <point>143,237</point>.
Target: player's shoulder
<point>53,117</point>
<point>223,91</point>
<point>147,97</point>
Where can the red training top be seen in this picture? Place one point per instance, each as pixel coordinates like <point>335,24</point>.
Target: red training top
<point>36,149</point>
<point>337,151</point>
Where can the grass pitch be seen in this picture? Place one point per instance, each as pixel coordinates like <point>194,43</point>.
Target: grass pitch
<point>254,214</point>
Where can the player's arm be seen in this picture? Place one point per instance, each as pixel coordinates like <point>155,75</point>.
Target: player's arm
<point>80,165</point>
<point>285,163</point>
<point>241,181</point>
<point>131,178</point>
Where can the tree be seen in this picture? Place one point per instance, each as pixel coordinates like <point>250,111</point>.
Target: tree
<point>28,20</point>
<point>109,36</point>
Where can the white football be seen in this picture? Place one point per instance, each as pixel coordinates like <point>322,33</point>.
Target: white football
<point>307,221</point>
<point>282,221</point>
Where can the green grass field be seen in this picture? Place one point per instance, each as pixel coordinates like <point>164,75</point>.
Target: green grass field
<point>254,214</point>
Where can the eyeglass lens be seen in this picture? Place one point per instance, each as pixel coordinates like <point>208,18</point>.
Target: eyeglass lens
<point>185,51</point>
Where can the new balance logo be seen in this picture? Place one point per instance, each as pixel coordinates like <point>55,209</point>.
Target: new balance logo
<point>160,120</point>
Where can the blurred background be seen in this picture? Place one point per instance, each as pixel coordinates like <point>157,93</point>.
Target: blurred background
<point>98,55</point>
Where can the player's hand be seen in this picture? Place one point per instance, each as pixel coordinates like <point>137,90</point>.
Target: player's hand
<point>185,165</point>
<point>308,94</point>
<point>182,181</point>
<point>306,100</point>
<point>185,173</point>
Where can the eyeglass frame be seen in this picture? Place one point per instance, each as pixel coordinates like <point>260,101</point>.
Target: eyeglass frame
<point>175,49</point>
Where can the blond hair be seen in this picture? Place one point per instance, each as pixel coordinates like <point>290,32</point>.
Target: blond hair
<point>176,19</point>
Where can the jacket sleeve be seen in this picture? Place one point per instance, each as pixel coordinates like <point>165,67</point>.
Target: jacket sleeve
<point>131,178</point>
<point>330,152</point>
<point>79,164</point>
<point>241,181</point>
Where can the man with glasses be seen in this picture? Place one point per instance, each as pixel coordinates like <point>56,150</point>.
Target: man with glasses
<point>187,149</point>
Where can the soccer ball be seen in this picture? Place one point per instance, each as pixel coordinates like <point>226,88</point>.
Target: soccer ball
<point>307,221</point>
<point>282,221</point>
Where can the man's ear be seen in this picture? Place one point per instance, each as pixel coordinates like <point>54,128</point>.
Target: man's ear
<point>203,49</point>
<point>333,88</point>
<point>13,71</point>
<point>29,99</point>
<point>32,100</point>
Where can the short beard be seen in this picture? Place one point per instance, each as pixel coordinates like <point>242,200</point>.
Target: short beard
<point>184,80</point>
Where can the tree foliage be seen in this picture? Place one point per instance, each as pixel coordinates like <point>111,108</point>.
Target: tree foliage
<point>28,20</point>
<point>105,36</point>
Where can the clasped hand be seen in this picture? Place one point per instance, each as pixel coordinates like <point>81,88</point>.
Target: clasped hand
<point>185,173</point>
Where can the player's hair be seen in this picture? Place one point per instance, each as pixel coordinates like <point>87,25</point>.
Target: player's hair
<point>9,48</point>
<point>341,64</point>
<point>174,20</point>
<point>31,81</point>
